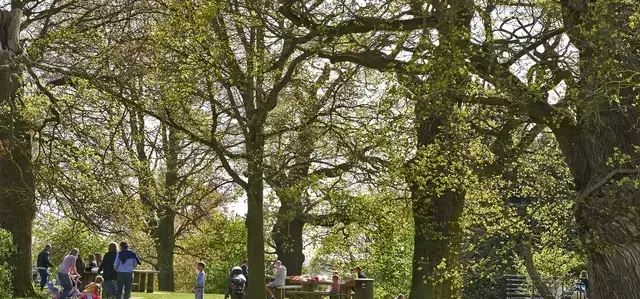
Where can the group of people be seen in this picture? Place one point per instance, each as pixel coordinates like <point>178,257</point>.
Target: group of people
<point>115,271</point>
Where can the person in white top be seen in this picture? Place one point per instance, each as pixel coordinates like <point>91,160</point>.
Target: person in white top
<point>67,271</point>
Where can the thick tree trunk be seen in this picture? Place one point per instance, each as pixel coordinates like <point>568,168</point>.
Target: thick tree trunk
<point>607,209</point>
<point>601,148</point>
<point>287,235</point>
<point>438,237</point>
<point>17,181</point>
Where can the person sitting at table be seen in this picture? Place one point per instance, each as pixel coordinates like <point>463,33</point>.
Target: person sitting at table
<point>91,264</point>
<point>335,285</point>
<point>98,259</point>
<point>280,276</point>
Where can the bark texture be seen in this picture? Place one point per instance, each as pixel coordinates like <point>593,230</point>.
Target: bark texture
<point>165,232</point>
<point>17,180</point>
<point>601,148</point>
<point>436,213</point>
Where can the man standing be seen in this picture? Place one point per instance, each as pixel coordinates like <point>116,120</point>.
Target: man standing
<point>280,277</point>
<point>43,265</point>
<point>126,261</point>
<point>358,270</point>
<point>245,269</point>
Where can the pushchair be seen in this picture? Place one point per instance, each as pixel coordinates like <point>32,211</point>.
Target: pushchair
<point>55,293</point>
<point>236,283</point>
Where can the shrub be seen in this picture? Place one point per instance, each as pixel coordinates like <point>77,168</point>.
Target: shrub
<point>6,247</point>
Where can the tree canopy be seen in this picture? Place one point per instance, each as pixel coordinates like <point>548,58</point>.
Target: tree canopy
<point>440,144</point>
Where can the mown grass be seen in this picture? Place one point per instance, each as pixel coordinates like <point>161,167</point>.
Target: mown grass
<point>164,295</point>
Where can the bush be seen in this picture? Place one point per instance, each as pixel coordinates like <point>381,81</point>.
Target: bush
<point>65,234</point>
<point>6,246</point>
<point>221,243</point>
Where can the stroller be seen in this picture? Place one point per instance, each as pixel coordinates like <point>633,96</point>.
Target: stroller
<point>55,293</point>
<point>236,283</point>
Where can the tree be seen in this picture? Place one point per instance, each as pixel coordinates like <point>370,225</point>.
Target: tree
<point>17,181</point>
<point>317,140</point>
<point>594,123</point>
<point>223,64</point>
<point>437,203</point>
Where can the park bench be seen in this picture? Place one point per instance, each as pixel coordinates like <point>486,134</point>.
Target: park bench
<point>280,291</point>
<point>294,294</point>
<point>517,286</point>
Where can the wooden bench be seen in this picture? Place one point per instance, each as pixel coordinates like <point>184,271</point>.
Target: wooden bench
<point>313,295</point>
<point>517,286</point>
<point>280,291</point>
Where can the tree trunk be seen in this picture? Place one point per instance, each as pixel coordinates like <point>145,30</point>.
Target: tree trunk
<point>438,206</point>
<point>255,211</point>
<point>601,148</point>
<point>165,245</point>
<point>17,180</point>
<point>438,237</point>
<point>287,235</point>
<point>165,232</point>
<point>436,214</point>
<point>608,205</point>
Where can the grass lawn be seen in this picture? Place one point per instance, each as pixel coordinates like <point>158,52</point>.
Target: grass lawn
<point>164,295</point>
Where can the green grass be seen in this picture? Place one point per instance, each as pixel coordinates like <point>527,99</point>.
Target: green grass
<point>165,295</point>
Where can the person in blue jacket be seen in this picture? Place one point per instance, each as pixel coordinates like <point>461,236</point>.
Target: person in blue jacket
<point>126,261</point>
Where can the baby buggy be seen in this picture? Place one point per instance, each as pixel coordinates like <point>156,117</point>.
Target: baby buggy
<point>236,282</point>
<point>55,293</point>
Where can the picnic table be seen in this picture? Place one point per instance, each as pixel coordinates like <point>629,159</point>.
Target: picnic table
<point>309,289</point>
<point>143,280</point>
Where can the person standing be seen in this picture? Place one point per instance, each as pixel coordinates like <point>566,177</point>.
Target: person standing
<point>109,274</point>
<point>280,277</point>
<point>245,269</point>
<point>66,271</point>
<point>198,289</point>
<point>335,284</point>
<point>98,259</point>
<point>584,281</point>
<point>358,270</point>
<point>80,264</point>
<point>126,261</point>
<point>43,264</point>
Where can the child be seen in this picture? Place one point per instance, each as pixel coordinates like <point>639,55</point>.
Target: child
<point>200,279</point>
<point>92,291</point>
<point>335,285</point>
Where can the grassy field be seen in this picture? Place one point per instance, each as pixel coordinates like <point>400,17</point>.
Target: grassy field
<point>163,295</point>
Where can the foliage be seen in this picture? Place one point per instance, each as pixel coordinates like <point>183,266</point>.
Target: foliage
<point>219,242</point>
<point>65,234</point>
<point>379,240</point>
<point>6,248</point>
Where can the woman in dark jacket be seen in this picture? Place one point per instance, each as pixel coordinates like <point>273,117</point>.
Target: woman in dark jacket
<point>109,274</point>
